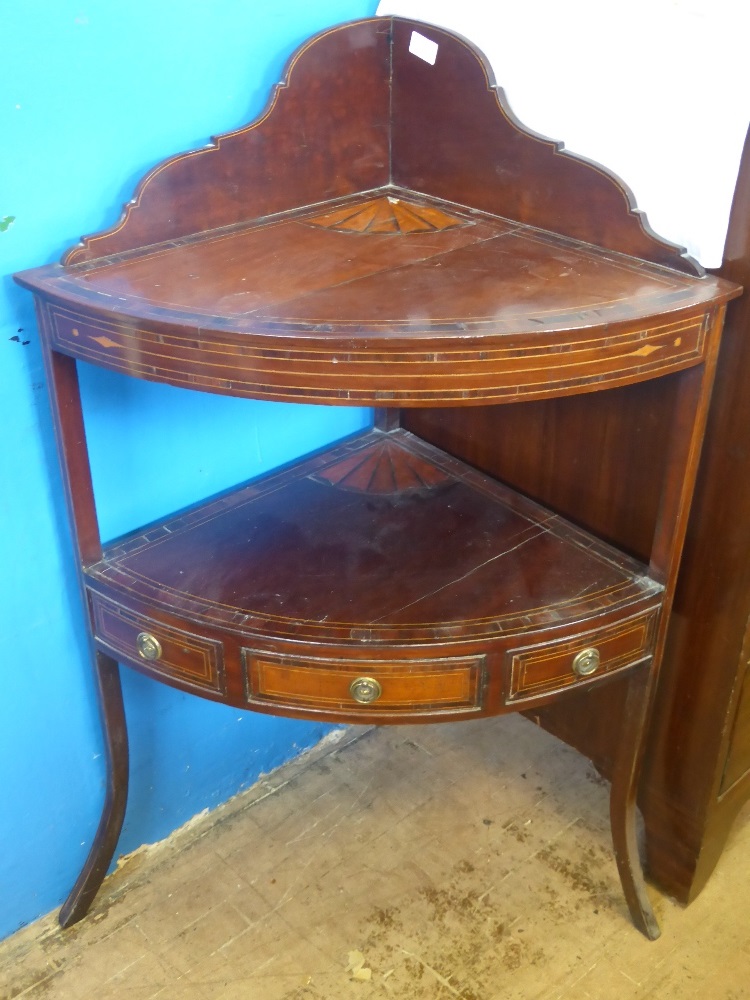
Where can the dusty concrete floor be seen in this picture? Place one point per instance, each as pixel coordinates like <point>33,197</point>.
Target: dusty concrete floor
<point>469,860</point>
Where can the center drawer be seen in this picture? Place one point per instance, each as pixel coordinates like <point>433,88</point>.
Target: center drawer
<point>369,687</point>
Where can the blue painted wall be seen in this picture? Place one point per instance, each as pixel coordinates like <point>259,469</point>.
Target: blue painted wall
<point>92,95</point>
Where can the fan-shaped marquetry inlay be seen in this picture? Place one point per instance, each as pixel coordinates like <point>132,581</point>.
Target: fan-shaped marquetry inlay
<point>387,215</point>
<point>383,468</point>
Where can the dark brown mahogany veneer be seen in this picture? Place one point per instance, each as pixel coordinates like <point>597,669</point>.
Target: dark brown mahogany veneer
<point>388,235</point>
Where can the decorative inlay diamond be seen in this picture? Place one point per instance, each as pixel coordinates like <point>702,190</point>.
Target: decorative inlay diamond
<point>387,215</point>
<point>383,468</point>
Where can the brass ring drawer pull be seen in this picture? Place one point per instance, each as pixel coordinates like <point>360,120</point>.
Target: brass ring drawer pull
<point>586,662</point>
<point>365,690</point>
<point>148,645</point>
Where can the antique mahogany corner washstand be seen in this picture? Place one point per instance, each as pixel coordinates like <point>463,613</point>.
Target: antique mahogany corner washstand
<point>387,234</point>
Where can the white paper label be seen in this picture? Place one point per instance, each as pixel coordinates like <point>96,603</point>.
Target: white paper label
<point>423,47</point>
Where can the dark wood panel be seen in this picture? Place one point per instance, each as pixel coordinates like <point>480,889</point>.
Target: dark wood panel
<point>707,646</point>
<point>476,152</point>
<point>738,757</point>
<point>337,86</point>
<point>593,458</point>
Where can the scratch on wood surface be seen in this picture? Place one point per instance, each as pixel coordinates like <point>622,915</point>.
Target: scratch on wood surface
<point>352,808</point>
<point>535,531</point>
<point>299,883</point>
<point>308,830</point>
<point>441,979</point>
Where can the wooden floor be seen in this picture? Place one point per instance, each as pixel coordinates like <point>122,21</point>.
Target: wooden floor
<point>468,861</point>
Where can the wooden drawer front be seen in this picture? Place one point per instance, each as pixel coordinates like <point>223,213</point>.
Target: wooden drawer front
<point>450,684</point>
<point>181,655</point>
<point>542,669</point>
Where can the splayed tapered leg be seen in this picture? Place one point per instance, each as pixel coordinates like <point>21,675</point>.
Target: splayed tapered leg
<point>623,801</point>
<point>116,742</point>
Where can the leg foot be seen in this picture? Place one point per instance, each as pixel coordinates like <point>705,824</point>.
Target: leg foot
<point>623,802</point>
<point>103,848</point>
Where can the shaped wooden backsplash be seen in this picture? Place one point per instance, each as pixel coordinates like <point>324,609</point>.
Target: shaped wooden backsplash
<point>358,111</point>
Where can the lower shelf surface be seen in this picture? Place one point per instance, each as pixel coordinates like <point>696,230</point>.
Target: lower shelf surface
<point>381,550</point>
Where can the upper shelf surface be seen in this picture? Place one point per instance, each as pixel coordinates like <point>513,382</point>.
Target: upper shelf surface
<point>386,263</point>
<point>387,298</point>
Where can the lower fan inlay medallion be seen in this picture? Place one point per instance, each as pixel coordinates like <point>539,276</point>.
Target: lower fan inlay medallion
<point>383,468</point>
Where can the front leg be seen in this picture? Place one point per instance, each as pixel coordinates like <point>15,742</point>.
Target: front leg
<point>627,769</point>
<point>116,751</point>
